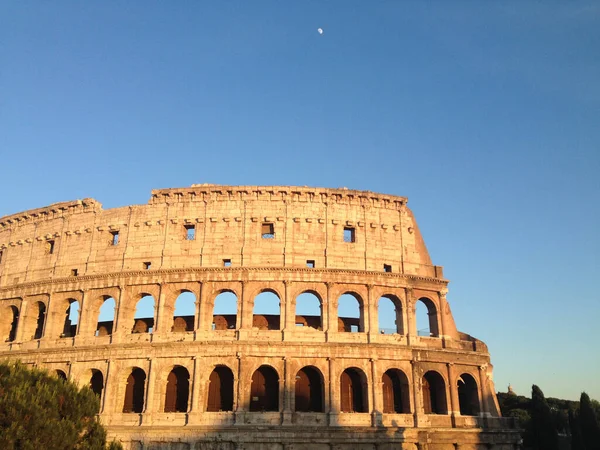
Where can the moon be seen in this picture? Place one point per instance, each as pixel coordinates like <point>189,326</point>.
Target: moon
<point>320,30</point>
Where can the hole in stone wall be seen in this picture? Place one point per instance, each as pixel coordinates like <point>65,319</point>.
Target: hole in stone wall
<point>268,231</point>
<point>349,234</point>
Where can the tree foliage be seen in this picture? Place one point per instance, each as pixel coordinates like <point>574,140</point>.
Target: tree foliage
<point>40,411</point>
<point>543,434</point>
<point>590,428</point>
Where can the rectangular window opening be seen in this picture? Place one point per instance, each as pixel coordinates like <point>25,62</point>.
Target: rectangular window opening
<point>299,324</point>
<point>115,237</point>
<point>310,263</point>
<point>147,265</point>
<point>353,328</point>
<point>349,234</point>
<point>190,232</point>
<point>268,231</point>
<point>387,268</point>
<point>50,247</point>
<point>74,272</point>
<point>226,263</point>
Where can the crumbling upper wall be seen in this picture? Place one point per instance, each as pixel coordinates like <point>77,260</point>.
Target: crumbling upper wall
<point>79,237</point>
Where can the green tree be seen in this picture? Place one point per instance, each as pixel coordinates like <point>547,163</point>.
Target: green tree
<point>590,429</point>
<point>40,411</point>
<point>543,434</point>
<point>576,438</point>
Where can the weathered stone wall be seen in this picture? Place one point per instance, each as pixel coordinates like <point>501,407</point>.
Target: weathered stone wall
<point>42,249</point>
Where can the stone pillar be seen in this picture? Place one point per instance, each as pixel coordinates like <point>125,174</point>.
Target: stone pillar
<point>373,327</point>
<point>290,308</point>
<point>151,390</point>
<point>161,323</point>
<point>202,308</point>
<point>103,401</point>
<point>196,406</point>
<point>483,381</point>
<point>453,404</point>
<point>417,393</point>
<point>411,322</point>
<point>332,317</point>
<point>22,324</point>
<point>117,331</point>
<point>377,396</point>
<point>245,320</point>
<point>84,321</point>
<point>242,395</point>
<point>334,394</point>
<point>443,316</point>
<point>288,392</point>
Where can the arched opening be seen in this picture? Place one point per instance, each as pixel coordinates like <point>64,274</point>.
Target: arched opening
<point>225,311</point>
<point>185,312</point>
<point>434,393</point>
<point>427,320</point>
<point>135,391</point>
<point>266,314</point>
<point>353,390</point>
<point>178,390</point>
<point>396,396</point>
<point>143,320</point>
<point>264,390</point>
<point>97,382</point>
<point>106,317</point>
<point>61,375</point>
<point>468,395</point>
<point>389,313</point>
<point>309,390</point>
<point>309,311</point>
<point>11,321</point>
<point>71,319</point>
<point>41,317</point>
<point>220,390</point>
<point>350,313</point>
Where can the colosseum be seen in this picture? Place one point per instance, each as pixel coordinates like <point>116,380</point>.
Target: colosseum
<point>247,317</point>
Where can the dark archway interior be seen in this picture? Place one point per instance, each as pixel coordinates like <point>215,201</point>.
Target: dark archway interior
<point>60,374</point>
<point>220,390</point>
<point>97,383</point>
<point>12,334</point>
<point>39,328</point>
<point>353,392</point>
<point>468,398</point>
<point>309,390</point>
<point>396,395</point>
<point>264,390</point>
<point>434,394</point>
<point>134,391</point>
<point>178,389</point>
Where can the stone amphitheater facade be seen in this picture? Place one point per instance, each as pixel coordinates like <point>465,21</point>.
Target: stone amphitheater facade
<point>244,380</point>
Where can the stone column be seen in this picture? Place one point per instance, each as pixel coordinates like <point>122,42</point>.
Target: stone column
<point>373,327</point>
<point>241,393</point>
<point>22,324</point>
<point>483,381</point>
<point>196,406</point>
<point>117,332</point>
<point>443,316</point>
<point>411,323</point>
<point>332,317</point>
<point>84,322</point>
<point>417,393</point>
<point>288,392</point>
<point>103,401</point>
<point>453,404</point>
<point>290,307</point>
<point>161,326</point>
<point>201,309</point>
<point>151,389</point>
<point>377,396</point>
<point>334,394</point>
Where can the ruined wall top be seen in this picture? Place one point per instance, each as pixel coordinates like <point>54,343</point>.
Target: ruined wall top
<point>212,226</point>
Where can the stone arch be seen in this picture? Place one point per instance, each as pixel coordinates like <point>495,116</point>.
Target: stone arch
<point>432,322</point>
<point>309,390</point>
<point>225,310</point>
<point>143,318</point>
<point>396,392</point>
<point>61,374</point>
<point>468,395</point>
<point>389,313</point>
<point>135,391</point>
<point>106,316</point>
<point>97,383</point>
<point>220,389</point>
<point>184,312</point>
<point>354,391</point>
<point>351,313</point>
<point>178,390</point>
<point>264,389</point>
<point>9,321</point>
<point>309,310</point>
<point>434,393</point>
<point>266,311</point>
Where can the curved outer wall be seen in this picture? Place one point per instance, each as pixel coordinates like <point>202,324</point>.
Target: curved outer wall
<point>67,252</point>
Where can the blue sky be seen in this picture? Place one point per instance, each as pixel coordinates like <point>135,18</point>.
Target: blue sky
<point>484,114</point>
